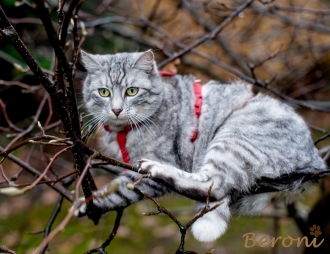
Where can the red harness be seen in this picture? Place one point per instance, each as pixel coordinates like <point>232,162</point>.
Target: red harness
<point>121,139</point>
<point>121,136</point>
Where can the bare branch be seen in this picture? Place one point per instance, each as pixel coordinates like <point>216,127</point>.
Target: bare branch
<point>60,189</point>
<point>322,138</point>
<point>183,229</point>
<point>112,235</point>
<point>3,249</point>
<point>299,9</point>
<point>59,228</point>
<point>51,221</point>
<point>10,124</point>
<point>208,36</point>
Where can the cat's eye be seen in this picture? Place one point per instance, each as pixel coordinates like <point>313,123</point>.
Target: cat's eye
<point>104,92</point>
<point>131,91</point>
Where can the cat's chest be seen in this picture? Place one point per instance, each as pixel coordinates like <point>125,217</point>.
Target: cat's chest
<point>127,146</point>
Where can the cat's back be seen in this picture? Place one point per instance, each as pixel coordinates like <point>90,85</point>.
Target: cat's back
<point>219,102</point>
<point>264,135</point>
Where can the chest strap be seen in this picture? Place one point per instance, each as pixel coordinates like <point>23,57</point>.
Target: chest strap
<point>121,140</point>
<point>197,106</point>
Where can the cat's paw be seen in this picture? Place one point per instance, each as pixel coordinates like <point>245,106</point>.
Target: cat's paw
<point>101,199</point>
<point>81,210</point>
<point>152,168</point>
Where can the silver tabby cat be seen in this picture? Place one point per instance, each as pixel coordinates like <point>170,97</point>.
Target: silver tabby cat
<point>241,138</point>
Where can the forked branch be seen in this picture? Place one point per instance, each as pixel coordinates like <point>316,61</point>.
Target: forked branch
<point>183,228</point>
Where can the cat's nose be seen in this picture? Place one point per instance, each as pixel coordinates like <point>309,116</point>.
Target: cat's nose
<point>117,111</point>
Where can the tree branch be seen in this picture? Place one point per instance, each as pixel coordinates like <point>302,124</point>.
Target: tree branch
<point>57,187</point>
<point>112,235</point>
<point>208,36</point>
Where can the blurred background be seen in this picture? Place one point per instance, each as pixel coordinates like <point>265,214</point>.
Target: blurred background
<point>284,45</point>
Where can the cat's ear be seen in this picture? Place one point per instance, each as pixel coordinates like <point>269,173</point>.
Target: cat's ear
<point>145,61</point>
<point>90,62</point>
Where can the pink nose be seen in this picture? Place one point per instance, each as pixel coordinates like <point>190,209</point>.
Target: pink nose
<point>117,111</point>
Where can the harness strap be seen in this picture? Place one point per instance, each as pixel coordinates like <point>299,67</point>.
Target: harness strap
<point>121,139</point>
<point>166,74</point>
<point>198,106</point>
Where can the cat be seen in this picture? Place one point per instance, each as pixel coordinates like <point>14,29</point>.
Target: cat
<point>241,137</point>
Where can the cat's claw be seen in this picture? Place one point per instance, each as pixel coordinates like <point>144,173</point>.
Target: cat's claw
<point>149,167</point>
<point>139,165</point>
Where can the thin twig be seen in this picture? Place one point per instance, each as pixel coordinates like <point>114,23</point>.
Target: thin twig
<point>59,179</point>
<point>50,111</point>
<point>26,88</point>
<point>66,21</point>
<point>183,229</point>
<point>322,138</point>
<point>5,152</point>
<point>41,176</point>
<point>111,236</point>
<point>59,228</point>
<point>83,173</point>
<point>208,36</point>
<point>10,124</point>
<point>27,159</point>
<point>32,125</point>
<point>300,10</point>
<point>4,175</point>
<point>51,221</point>
<point>3,249</point>
<point>262,61</point>
<point>35,172</point>
<point>17,191</point>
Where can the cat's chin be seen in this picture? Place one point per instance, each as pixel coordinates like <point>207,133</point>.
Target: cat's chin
<point>205,229</point>
<point>117,125</point>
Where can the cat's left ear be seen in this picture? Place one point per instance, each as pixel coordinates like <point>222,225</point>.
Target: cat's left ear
<point>145,62</point>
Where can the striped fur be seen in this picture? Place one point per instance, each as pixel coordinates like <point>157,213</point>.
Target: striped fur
<point>241,138</point>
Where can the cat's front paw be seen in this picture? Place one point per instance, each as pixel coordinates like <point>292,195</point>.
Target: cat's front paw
<point>152,168</point>
<point>101,199</point>
<point>80,206</point>
<point>81,209</point>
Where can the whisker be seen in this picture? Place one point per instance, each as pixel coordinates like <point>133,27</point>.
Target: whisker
<point>91,122</point>
<point>146,124</point>
<point>97,126</point>
<point>148,120</point>
<point>92,114</point>
<point>137,127</point>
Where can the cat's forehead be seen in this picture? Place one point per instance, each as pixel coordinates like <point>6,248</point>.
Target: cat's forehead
<point>117,71</point>
<point>121,60</point>
<point>119,67</point>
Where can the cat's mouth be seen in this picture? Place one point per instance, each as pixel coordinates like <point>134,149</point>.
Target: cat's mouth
<point>119,121</point>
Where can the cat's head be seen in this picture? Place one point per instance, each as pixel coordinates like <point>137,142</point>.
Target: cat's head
<point>121,89</point>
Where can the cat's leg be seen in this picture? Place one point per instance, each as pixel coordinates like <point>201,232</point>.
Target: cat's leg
<point>122,196</point>
<point>195,186</point>
<point>213,224</point>
<point>191,185</point>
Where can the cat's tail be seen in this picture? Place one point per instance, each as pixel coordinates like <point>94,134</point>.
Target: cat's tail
<point>213,224</point>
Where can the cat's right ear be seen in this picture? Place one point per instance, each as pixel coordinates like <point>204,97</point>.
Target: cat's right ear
<point>145,61</point>
<point>90,62</point>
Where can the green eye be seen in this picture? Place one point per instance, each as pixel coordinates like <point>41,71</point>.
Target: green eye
<point>104,92</point>
<point>131,91</point>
